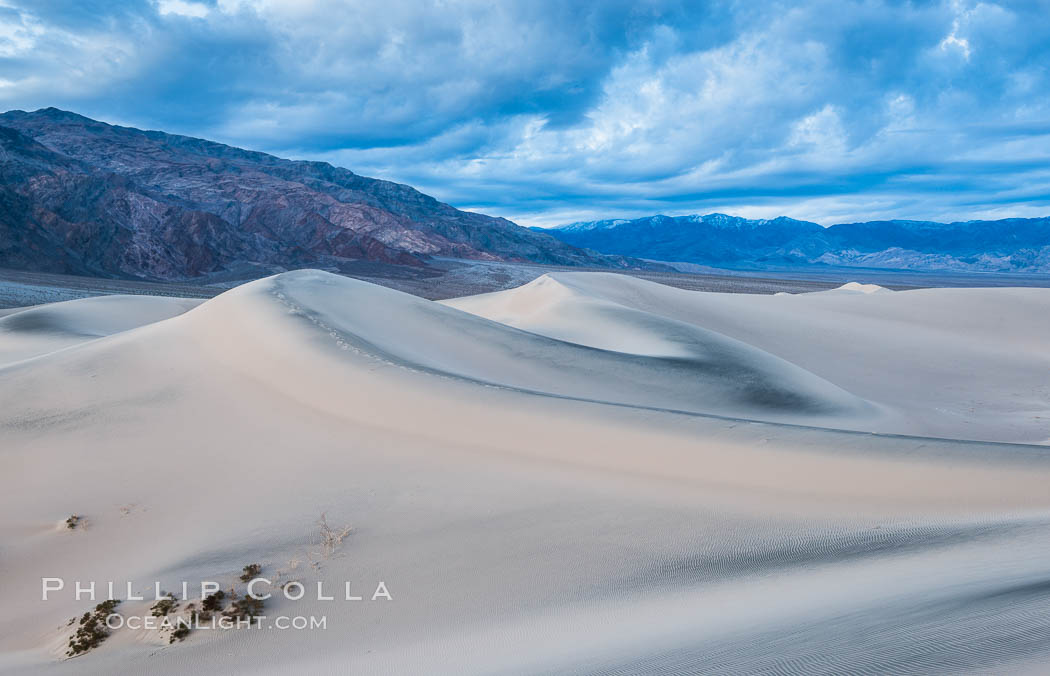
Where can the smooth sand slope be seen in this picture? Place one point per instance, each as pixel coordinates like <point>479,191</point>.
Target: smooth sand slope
<point>957,363</point>
<point>43,329</point>
<point>589,474</point>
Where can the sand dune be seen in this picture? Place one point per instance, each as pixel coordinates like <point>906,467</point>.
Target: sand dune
<point>677,366</point>
<point>957,363</point>
<point>43,329</point>
<point>588,474</point>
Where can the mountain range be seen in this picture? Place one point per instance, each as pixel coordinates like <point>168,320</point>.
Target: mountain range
<point>79,196</point>
<point>83,197</point>
<point>1010,245</point>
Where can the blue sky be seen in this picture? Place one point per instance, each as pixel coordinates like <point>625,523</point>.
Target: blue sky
<point>551,111</point>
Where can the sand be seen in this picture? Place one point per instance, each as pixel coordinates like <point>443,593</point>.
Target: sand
<point>588,474</point>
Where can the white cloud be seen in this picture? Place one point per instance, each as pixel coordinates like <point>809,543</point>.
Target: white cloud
<point>821,132</point>
<point>182,8</point>
<point>953,41</point>
<point>18,34</point>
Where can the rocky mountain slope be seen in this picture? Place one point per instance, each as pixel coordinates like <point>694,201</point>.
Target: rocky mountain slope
<point>84,197</point>
<point>1011,245</point>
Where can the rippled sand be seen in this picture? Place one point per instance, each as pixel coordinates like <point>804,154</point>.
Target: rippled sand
<point>588,474</point>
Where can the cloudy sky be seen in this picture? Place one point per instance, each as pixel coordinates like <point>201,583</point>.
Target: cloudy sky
<point>551,111</point>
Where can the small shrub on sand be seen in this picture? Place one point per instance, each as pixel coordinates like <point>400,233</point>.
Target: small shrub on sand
<point>331,539</point>
<point>251,571</point>
<point>245,608</point>
<point>214,601</point>
<point>179,633</point>
<point>164,605</point>
<point>73,521</point>
<point>92,630</point>
<point>211,604</point>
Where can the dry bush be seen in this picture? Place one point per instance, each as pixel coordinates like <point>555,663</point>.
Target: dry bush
<point>251,571</point>
<point>166,604</point>
<point>92,630</point>
<point>179,633</point>
<point>331,539</point>
<point>246,608</point>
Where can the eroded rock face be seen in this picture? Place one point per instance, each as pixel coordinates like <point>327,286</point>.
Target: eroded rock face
<point>84,197</point>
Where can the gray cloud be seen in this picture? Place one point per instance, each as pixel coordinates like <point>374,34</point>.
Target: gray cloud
<point>549,111</point>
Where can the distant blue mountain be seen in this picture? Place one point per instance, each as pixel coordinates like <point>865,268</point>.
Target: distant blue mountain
<point>1010,245</point>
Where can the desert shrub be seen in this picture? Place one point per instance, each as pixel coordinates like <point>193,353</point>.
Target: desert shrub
<point>73,521</point>
<point>211,604</point>
<point>164,605</point>
<point>251,571</point>
<point>179,633</point>
<point>107,607</point>
<point>92,630</point>
<point>331,538</point>
<point>245,608</point>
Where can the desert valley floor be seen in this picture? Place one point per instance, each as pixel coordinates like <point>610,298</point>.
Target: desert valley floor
<point>588,474</point>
